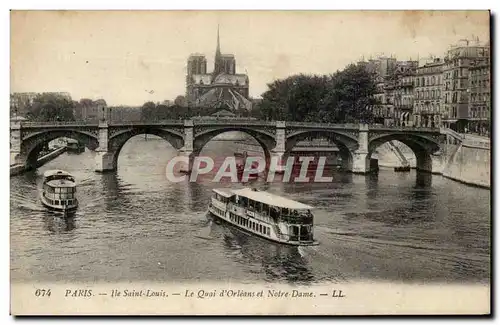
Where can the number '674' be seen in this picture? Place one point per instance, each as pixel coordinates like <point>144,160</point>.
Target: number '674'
<point>42,293</point>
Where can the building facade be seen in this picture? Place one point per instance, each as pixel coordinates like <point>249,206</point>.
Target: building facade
<point>403,93</point>
<point>223,88</point>
<point>394,90</point>
<point>90,110</point>
<point>382,68</point>
<point>428,85</point>
<point>458,61</point>
<point>479,97</point>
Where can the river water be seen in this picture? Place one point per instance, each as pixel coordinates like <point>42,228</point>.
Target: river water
<point>135,225</point>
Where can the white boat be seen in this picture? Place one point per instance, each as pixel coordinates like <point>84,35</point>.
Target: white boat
<point>59,191</point>
<point>264,214</point>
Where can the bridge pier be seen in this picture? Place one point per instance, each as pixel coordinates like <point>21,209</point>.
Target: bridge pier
<point>434,164</point>
<point>15,142</point>
<point>277,156</point>
<point>277,163</point>
<point>186,164</point>
<point>187,152</point>
<point>360,161</point>
<point>105,161</point>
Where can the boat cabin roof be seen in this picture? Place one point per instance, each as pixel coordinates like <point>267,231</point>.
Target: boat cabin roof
<point>265,197</point>
<point>61,183</point>
<point>223,192</point>
<point>54,172</point>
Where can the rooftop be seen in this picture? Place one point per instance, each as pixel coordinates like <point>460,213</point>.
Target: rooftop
<point>53,172</point>
<point>265,197</point>
<point>193,55</point>
<point>61,183</point>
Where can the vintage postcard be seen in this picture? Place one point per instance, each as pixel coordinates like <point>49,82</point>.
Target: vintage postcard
<point>250,162</point>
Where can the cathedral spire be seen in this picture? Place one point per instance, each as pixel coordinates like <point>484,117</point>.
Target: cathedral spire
<point>217,51</point>
<point>218,67</point>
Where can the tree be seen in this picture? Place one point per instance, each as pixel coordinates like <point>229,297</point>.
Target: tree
<point>180,101</point>
<point>351,95</point>
<point>345,96</point>
<point>148,111</point>
<point>52,107</point>
<point>163,112</point>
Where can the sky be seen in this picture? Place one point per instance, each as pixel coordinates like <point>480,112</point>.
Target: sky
<point>130,57</point>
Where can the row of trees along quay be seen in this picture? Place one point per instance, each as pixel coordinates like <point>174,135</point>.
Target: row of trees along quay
<point>346,96</point>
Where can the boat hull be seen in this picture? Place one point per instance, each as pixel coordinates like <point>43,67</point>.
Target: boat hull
<point>218,220</point>
<point>58,208</point>
<point>75,150</point>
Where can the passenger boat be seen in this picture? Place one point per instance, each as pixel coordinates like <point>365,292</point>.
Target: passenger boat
<point>74,146</point>
<point>58,192</point>
<point>264,214</point>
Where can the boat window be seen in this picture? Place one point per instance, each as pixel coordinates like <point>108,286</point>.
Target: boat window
<point>56,202</point>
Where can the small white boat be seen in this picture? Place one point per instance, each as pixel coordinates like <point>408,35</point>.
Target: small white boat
<point>59,191</point>
<point>74,146</point>
<point>264,214</point>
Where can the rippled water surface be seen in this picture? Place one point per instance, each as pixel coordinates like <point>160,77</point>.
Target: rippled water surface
<point>136,225</point>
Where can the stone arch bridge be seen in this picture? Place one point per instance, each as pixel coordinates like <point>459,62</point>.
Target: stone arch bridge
<point>356,142</point>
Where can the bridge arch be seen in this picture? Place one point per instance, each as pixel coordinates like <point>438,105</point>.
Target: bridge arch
<point>423,147</point>
<point>265,139</point>
<point>346,143</point>
<point>33,144</point>
<point>118,140</point>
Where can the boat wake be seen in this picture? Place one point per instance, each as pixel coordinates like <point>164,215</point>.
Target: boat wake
<point>205,232</point>
<point>306,251</point>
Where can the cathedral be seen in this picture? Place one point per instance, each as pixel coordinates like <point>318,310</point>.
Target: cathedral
<point>223,88</point>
